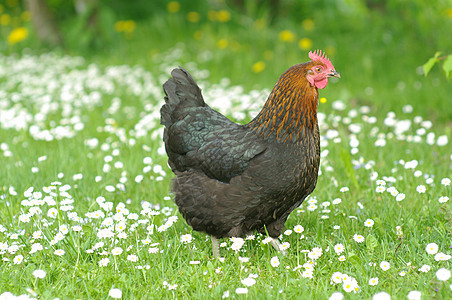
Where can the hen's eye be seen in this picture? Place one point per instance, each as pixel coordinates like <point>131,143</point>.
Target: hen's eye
<point>317,69</point>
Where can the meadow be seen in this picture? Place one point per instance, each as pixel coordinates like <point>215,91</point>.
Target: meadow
<point>85,205</point>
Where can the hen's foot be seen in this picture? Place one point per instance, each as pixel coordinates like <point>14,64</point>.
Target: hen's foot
<point>215,247</point>
<point>277,245</point>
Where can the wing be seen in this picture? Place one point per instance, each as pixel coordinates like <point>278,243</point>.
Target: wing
<point>207,141</point>
<point>199,138</point>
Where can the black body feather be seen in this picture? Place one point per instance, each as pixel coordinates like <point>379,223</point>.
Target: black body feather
<point>233,179</point>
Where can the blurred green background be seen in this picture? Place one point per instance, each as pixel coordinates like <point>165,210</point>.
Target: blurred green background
<point>378,46</point>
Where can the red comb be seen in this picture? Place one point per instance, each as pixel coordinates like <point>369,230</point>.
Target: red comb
<point>318,55</point>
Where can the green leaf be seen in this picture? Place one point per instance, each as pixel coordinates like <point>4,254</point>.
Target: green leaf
<point>371,243</point>
<point>379,225</point>
<point>210,266</point>
<point>447,66</point>
<point>430,63</point>
<point>354,260</point>
<point>348,167</point>
<point>87,229</point>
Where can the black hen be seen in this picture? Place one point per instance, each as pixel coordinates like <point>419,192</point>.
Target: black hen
<point>233,179</point>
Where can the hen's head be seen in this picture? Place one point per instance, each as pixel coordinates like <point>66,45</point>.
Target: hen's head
<point>320,68</point>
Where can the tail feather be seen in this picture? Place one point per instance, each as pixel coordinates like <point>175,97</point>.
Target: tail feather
<point>180,90</point>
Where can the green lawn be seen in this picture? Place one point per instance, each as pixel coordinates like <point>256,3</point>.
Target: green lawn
<point>85,185</point>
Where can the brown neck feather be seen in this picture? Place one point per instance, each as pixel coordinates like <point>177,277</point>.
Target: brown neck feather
<point>291,108</point>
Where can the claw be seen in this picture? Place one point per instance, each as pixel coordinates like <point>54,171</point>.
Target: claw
<point>277,245</point>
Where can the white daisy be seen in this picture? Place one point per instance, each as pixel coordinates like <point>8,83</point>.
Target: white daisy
<point>373,281</point>
<point>384,265</point>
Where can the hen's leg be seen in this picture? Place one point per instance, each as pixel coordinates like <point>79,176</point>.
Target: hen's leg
<point>277,245</point>
<point>215,246</point>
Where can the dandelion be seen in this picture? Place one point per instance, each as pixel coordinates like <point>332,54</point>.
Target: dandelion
<point>443,274</point>
<point>286,36</point>
<point>358,238</point>
<point>222,44</point>
<point>307,25</point>
<point>223,16</point>
<point>431,248</point>
<point>339,248</point>
<point>17,35</point>
<point>305,44</point>
<point>39,274</point>
<point>115,293</point>
<point>384,265</point>
<point>258,67</point>
<point>59,252</point>
<point>373,281</point>
<point>193,17</point>
<point>369,223</point>
<point>274,261</point>
<point>173,6</point>
<point>414,295</point>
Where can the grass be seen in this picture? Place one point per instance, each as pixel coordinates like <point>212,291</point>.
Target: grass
<point>104,134</point>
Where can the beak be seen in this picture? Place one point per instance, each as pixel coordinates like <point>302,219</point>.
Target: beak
<point>334,74</point>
